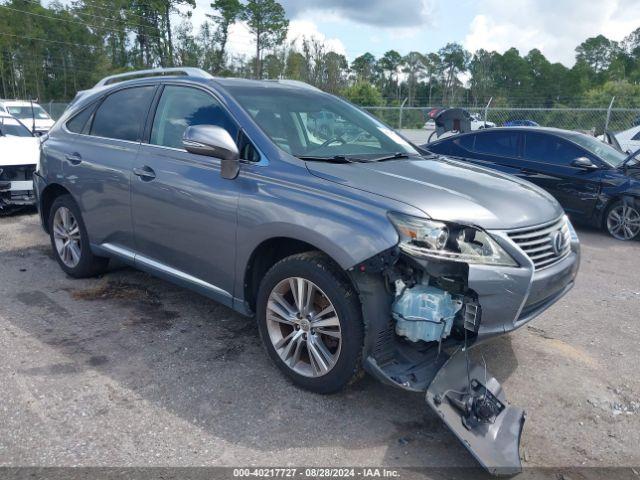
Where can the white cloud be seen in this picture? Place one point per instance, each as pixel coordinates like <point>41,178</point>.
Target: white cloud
<point>380,13</point>
<point>555,27</point>
<point>241,41</point>
<point>301,29</point>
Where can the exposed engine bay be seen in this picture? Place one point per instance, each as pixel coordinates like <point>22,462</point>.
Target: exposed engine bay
<point>422,344</point>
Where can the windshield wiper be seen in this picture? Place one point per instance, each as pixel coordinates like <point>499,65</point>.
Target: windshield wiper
<point>334,159</point>
<point>393,156</point>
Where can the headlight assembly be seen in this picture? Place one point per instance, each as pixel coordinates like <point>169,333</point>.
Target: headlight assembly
<point>422,237</point>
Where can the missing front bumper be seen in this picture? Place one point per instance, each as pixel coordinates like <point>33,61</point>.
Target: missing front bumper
<point>474,407</point>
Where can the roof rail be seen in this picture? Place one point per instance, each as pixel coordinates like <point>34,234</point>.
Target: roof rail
<point>297,83</point>
<point>187,71</point>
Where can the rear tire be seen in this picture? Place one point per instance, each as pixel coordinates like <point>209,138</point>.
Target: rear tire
<point>316,342</point>
<point>70,242</point>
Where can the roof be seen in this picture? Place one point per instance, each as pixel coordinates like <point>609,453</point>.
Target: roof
<point>200,75</point>
<point>245,82</point>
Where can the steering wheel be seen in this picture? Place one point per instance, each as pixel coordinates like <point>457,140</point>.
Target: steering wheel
<point>332,140</point>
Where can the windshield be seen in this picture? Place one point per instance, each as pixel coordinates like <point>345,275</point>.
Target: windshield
<point>25,112</point>
<point>308,123</point>
<point>600,149</point>
<point>10,127</point>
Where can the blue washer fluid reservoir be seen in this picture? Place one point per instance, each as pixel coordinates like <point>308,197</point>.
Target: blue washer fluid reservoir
<point>425,313</point>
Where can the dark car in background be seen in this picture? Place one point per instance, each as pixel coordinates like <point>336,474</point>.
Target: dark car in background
<point>520,123</point>
<point>595,183</point>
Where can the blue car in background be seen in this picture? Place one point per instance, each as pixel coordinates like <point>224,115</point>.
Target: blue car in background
<point>595,183</point>
<point>520,123</point>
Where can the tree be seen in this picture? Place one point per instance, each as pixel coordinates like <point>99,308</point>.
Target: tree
<point>335,68</point>
<point>268,24</point>
<point>414,66</point>
<point>597,52</point>
<point>483,68</point>
<point>363,66</point>
<point>389,65</point>
<point>227,12</point>
<point>296,66</point>
<point>187,51</point>
<point>455,60</point>
<point>363,93</point>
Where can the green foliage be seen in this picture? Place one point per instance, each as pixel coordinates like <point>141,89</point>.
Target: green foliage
<point>363,93</point>
<point>226,13</point>
<point>50,52</point>
<point>268,24</point>
<point>627,94</point>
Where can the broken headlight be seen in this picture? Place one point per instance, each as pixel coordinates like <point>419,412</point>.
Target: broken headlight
<point>422,237</point>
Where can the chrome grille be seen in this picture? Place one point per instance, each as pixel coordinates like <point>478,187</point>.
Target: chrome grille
<point>538,242</point>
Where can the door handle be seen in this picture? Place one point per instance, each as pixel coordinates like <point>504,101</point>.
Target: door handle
<point>74,158</point>
<point>145,173</point>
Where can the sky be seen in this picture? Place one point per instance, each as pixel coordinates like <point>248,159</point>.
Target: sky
<point>353,27</point>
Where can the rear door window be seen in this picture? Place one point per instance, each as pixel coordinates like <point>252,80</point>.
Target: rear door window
<point>501,144</point>
<point>122,114</point>
<point>550,149</point>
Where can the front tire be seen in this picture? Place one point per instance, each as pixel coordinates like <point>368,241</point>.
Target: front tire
<point>622,220</point>
<point>70,242</point>
<point>310,322</point>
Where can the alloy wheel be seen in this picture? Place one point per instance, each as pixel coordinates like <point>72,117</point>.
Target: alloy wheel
<point>303,327</point>
<point>623,222</point>
<point>66,236</point>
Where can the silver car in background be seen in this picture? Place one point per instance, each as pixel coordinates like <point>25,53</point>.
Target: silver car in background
<point>354,250</point>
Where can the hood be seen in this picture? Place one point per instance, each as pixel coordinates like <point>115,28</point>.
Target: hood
<point>19,151</point>
<point>447,190</point>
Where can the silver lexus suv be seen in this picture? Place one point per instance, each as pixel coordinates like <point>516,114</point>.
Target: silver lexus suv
<point>354,249</point>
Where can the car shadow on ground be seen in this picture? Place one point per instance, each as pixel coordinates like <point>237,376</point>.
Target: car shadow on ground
<point>204,363</point>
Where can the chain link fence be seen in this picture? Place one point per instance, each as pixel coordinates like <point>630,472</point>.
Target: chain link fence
<point>55,109</point>
<point>588,120</point>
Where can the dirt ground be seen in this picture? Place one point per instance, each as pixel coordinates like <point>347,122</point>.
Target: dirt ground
<point>130,370</point>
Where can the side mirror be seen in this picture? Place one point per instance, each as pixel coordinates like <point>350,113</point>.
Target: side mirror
<point>584,163</point>
<point>214,141</point>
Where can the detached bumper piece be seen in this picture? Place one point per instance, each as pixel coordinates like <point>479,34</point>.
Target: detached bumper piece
<point>472,404</point>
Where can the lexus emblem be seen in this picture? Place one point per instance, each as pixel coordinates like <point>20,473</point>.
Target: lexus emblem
<point>557,241</point>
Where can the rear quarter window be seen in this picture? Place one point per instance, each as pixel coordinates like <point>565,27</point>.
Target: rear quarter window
<point>79,121</point>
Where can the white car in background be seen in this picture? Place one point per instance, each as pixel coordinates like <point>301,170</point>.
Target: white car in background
<point>19,154</point>
<point>629,140</point>
<point>477,123</point>
<point>31,114</point>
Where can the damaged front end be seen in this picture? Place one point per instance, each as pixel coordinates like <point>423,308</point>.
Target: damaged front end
<point>16,187</point>
<point>444,289</point>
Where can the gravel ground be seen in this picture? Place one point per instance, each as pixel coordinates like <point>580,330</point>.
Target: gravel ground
<point>128,370</point>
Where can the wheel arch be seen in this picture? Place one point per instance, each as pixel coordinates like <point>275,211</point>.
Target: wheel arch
<point>268,253</point>
<point>622,197</point>
<point>47,197</point>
